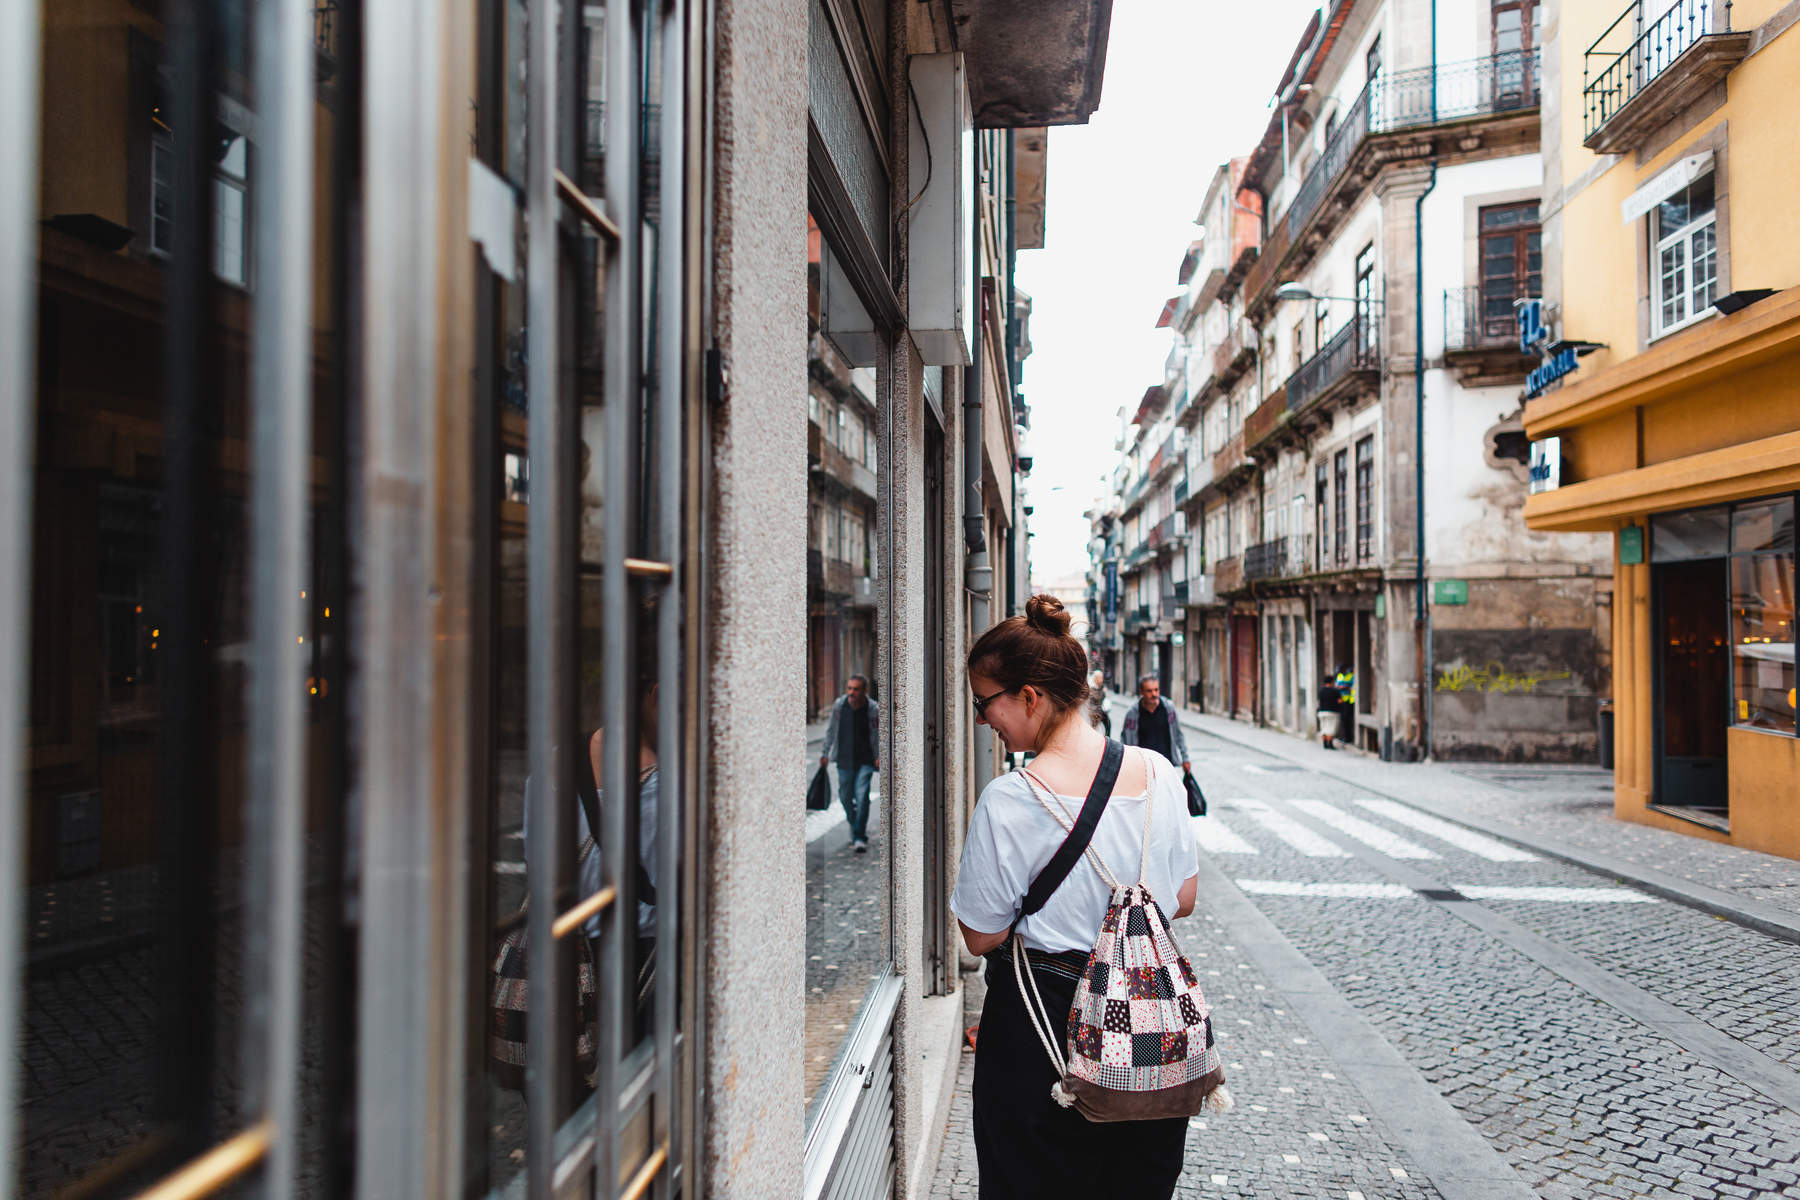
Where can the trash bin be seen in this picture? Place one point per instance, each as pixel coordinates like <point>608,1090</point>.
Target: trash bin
<point>1606,732</point>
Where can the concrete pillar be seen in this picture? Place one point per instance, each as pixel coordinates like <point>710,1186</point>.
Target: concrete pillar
<point>755,885</point>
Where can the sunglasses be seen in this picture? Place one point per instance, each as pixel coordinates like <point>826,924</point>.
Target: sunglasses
<point>981,702</point>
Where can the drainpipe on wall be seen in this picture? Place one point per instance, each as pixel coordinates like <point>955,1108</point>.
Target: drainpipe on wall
<point>1421,642</point>
<point>978,575</point>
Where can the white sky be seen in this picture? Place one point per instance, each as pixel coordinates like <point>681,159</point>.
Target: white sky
<point>1187,86</point>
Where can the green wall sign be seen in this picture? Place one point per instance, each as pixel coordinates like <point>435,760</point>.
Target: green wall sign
<point>1631,545</point>
<point>1380,606</point>
<point>1450,591</point>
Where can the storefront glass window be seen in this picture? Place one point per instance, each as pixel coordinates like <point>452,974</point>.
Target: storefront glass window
<point>847,841</point>
<point>1762,616</point>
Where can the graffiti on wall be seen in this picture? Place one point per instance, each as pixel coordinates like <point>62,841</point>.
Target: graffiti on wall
<point>1493,677</point>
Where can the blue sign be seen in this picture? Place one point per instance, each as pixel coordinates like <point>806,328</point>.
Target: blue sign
<point>1532,329</point>
<point>1112,591</point>
<point>1559,356</point>
<point>1554,368</point>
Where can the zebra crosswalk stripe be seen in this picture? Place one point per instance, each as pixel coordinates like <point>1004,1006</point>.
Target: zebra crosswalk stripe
<point>1297,835</point>
<point>1373,836</point>
<point>1489,848</point>
<point>1215,837</point>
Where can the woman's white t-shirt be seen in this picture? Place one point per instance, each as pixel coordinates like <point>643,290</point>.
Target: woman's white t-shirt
<point>1013,836</point>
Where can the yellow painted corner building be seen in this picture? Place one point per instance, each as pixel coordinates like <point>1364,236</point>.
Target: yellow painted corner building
<point>1666,409</point>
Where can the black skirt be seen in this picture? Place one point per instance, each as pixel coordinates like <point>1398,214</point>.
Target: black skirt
<point>1026,1145</point>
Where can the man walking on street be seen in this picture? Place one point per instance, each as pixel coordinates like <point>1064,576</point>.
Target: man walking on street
<point>854,738</point>
<point>1153,725</point>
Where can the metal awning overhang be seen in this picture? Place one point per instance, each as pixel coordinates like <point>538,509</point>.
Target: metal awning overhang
<point>1033,62</point>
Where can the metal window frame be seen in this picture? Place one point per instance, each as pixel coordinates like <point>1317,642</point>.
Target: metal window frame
<point>630,1139</point>
<point>20,27</point>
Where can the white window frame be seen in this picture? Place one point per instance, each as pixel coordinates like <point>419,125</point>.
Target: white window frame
<point>1682,239</point>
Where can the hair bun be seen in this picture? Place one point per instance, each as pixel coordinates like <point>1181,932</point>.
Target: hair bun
<point>1046,613</point>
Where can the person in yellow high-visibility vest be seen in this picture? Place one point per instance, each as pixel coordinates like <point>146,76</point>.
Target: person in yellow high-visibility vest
<point>1346,690</point>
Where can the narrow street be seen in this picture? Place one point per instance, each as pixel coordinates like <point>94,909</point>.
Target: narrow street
<point>1410,1006</point>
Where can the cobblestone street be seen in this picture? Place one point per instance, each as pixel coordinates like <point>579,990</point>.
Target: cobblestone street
<point>1411,1006</point>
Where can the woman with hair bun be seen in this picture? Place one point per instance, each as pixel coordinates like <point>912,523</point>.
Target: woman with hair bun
<point>1029,680</point>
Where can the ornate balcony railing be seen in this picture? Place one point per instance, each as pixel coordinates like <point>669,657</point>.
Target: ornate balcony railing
<point>1266,560</point>
<point>1625,59</point>
<point>1354,349</point>
<point>1475,320</point>
<point>1407,100</point>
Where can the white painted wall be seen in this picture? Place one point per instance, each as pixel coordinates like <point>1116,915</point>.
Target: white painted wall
<point>1474,512</point>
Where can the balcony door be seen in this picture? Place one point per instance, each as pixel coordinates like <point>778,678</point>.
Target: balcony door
<point>1518,31</point>
<point>1512,266</point>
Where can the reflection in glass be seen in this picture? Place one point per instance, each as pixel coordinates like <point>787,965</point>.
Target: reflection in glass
<point>847,886</point>
<point>1697,533</point>
<point>137,990</point>
<point>1762,641</point>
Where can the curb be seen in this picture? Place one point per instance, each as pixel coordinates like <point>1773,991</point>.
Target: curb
<point>1752,914</point>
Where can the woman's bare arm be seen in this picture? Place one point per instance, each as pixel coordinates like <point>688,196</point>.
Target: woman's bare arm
<point>980,943</point>
<point>1184,899</point>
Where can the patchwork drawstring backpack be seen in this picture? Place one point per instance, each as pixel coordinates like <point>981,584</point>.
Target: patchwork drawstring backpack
<point>1140,1033</point>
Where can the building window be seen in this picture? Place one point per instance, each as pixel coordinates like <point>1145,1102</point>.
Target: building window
<point>1512,265</point>
<point>812,407</point>
<point>1518,30</point>
<point>1340,505</point>
<point>1365,499</point>
<point>1299,344</point>
<point>1365,295</point>
<point>1762,615</point>
<point>1683,257</point>
<point>1372,59</point>
<point>1320,542</point>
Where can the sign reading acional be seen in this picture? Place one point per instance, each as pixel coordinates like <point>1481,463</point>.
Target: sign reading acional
<point>1560,357</point>
<point>1534,336</point>
<point>1546,465</point>
<point>1449,591</point>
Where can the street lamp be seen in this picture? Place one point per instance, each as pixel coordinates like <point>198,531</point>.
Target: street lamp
<point>1299,291</point>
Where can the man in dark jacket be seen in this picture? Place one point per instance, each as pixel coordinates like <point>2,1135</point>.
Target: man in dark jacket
<point>854,738</point>
<point>1153,725</point>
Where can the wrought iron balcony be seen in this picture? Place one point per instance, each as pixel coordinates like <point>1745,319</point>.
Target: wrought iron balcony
<point>1352,355</point>
<point>1269,560</point>
<point>1138,619</point>
<point>1499,83</point>
<point>1474,321</point>
<point>1635,74</point>
<point>1481,336</point>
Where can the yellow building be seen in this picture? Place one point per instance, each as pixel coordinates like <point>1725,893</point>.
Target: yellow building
<point>1667,406</point>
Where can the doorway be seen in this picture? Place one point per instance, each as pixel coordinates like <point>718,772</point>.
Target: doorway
<point>1243,666</point>
<point>1692,687</point>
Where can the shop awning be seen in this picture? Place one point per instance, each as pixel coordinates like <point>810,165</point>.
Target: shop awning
<point>1665,185</point>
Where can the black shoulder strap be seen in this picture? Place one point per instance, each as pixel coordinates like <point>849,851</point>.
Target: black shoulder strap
<point>1076,844</point>
<point>590,805</point>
